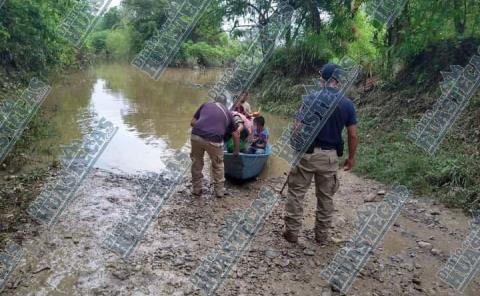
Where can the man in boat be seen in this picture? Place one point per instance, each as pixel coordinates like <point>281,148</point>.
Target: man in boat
<point>321,160</point>
<point>210,124</point>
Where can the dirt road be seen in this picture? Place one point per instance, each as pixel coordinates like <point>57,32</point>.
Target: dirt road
<point>68,259</point>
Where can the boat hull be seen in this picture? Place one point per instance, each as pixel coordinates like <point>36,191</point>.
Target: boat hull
<point>245,166</point>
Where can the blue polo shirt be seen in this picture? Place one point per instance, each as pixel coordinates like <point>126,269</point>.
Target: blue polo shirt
<point>344,115</point>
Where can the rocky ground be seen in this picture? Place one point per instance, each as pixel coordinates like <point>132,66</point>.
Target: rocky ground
<point>68,258</point>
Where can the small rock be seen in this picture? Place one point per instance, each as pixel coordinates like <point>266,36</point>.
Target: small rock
<point>272,254</point>
<point>327,292</point>
<point>373,198</point>
<point>339,240</point>
<point>424,245</point>
<point>339,222</point>
<point>420,289</point>
<point>435,252</point>
<point>179,261</point>
<point>416,281</point>
<point>309,252</point>
<point>434,213</point>
<point>283,263</point>
<point>121,274</point>
<point>381,192</point>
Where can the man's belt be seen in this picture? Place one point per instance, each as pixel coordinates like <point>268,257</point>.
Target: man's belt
<point>326,147</point>
<point>322,146</point>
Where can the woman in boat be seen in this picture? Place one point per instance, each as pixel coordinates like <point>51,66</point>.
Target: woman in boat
<point>242,135</point>
<point>242,106</point>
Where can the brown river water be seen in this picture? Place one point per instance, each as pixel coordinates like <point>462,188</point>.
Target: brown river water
<point>153,117</point>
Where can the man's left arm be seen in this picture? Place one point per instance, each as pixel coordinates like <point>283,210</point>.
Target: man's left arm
<point>352,146</point>
<point>352,135</point>
<point>196,116</point>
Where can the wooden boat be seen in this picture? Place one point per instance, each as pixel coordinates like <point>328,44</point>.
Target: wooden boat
<point>245,166</point>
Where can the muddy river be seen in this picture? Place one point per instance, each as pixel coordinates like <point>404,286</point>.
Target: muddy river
<point>153,117</point>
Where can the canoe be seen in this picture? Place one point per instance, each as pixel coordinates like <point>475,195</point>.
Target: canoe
<point>245,166</point>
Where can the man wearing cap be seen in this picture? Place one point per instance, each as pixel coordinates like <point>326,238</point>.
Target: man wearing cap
<point>320,160</point>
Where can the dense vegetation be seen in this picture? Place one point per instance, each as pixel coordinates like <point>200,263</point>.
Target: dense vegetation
<point>405,59</point>
<point>124,30</point>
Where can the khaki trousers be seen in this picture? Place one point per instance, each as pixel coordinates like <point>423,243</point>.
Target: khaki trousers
<point>323,165</point>
<point>215,152</point>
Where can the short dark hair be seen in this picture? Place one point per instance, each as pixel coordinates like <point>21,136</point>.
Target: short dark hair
<point>259,121</point>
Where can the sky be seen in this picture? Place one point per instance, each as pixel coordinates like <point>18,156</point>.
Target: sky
<point>115,3</point>
<point>226,26</point>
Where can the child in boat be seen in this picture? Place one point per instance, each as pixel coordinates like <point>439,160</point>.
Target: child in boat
<point>260,136</point>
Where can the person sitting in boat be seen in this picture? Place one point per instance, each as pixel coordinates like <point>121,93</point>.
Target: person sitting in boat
<point>260,136</point>
<point>242,106</point>
<point>242,134</point>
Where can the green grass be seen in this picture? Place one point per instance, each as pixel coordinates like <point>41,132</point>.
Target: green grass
<point>451,175</point>
<point>385,153</point>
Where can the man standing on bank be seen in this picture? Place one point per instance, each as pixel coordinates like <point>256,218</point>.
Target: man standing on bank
<point>321,162</point>
<point>210,123</point>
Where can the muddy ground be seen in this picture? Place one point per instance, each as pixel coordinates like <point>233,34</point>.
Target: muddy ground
<point>68,258</point>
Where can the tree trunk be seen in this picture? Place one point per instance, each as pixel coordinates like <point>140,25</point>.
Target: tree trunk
<point>315,15</point>
<point>460,15</point>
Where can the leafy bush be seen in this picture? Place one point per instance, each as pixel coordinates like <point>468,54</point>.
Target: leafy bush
<point>362,49</point>
<point>208,55</point>
<point>28,36</point>
<point>98,41</point>
<point>118,43</point>
<point>305,56</point>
